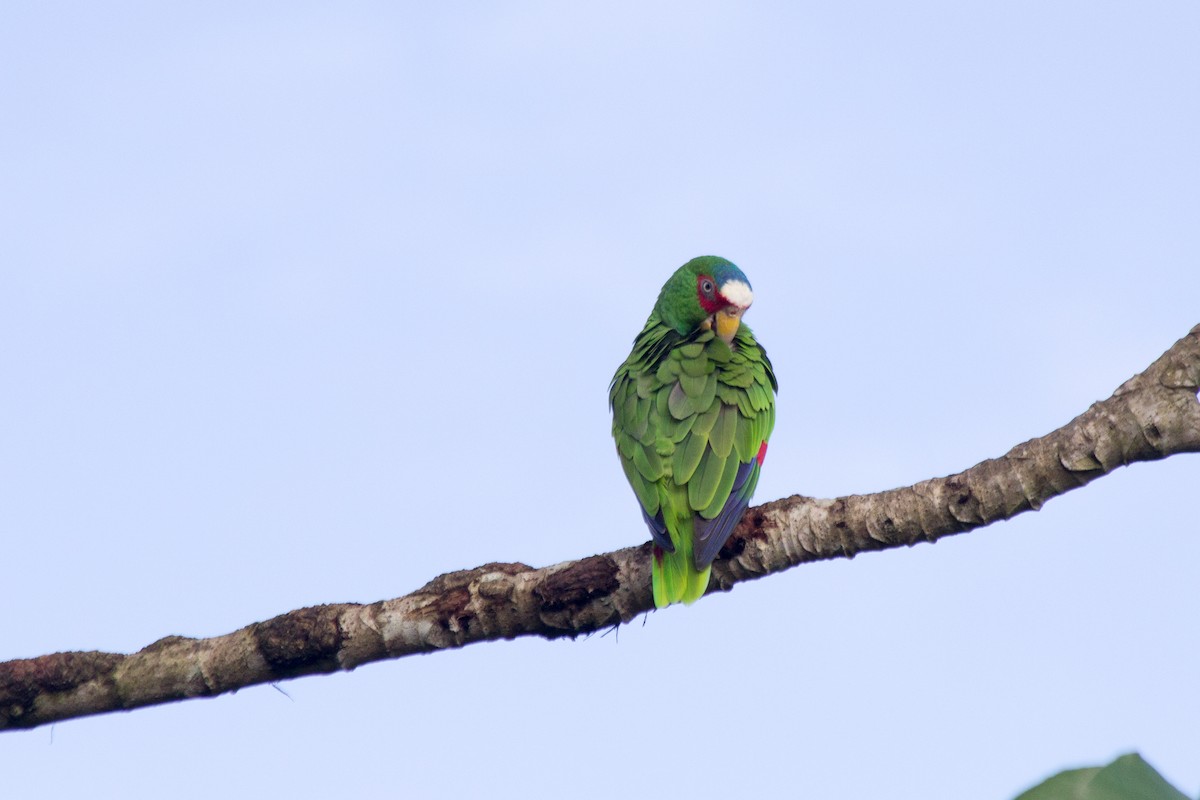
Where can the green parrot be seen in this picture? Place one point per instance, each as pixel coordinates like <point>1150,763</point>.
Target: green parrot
<point>693,407</point>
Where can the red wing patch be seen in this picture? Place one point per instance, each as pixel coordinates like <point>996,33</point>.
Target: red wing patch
<point>762,453</point>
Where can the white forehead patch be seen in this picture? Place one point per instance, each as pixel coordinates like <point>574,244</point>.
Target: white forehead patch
<point>738,293</point>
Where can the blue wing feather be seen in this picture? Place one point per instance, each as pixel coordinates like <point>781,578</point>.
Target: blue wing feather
<point>711,534</point>
<point>658,529</point>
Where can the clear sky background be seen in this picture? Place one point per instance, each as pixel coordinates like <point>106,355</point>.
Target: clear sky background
<point>304,303</point>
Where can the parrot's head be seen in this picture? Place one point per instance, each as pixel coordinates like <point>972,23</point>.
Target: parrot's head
<point>706,292</point>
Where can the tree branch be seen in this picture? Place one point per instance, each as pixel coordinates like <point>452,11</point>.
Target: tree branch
<point>1153,415</point>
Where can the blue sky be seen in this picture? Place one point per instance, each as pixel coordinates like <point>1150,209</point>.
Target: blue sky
<point>306,303</point>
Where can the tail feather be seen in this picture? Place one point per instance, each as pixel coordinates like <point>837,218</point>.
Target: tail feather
<point>697,584</point>
<point>676,579</point>
<point>674,574</point>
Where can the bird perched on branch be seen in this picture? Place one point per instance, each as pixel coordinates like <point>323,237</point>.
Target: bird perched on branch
<point>693,407</point>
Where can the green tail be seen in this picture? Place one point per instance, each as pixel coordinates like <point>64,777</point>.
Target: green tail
<point>675,577</point>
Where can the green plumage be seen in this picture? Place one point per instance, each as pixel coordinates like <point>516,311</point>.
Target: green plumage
<point>692,411</point>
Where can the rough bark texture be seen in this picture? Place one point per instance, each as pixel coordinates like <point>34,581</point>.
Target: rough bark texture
<point>1151,416</point>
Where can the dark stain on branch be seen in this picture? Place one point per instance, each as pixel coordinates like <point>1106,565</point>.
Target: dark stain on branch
<point>754,527</point>
<point>578,584</point>
<point>21,681</point>
<point>307,637</point>
<point>450,609</point>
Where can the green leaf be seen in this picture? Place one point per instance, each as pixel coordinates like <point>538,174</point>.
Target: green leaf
<point>1127,778</point>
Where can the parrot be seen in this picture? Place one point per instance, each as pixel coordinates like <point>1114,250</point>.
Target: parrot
<point>693,407</point>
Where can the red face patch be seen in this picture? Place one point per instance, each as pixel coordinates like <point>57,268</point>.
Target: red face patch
<point>706,292</point>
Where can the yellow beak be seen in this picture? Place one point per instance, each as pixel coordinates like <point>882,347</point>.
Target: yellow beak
<point>728,321</point>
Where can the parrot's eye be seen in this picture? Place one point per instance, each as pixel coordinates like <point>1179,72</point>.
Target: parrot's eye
<point>706,286</point>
